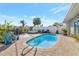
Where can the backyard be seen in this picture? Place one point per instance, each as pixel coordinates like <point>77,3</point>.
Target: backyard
<point>34,35</point>
<point>15,43</point>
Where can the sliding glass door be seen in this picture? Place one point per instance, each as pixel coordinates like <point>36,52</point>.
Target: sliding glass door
<point>76,28</point>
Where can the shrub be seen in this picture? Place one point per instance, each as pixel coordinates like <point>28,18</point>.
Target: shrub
<point>76,37</point>
<point>57,32</point>
<point>39,31</point>
<point>1,39</point>
<point>65,31</point>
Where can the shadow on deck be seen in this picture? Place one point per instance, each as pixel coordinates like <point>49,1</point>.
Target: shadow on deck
<point>4,47</point>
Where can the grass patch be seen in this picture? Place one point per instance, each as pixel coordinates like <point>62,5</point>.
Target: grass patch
<point>76,37</point>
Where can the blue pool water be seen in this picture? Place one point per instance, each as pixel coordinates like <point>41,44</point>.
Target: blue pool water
<point>43,41</point>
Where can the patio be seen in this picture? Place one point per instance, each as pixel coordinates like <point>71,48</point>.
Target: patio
<point>66,46</point>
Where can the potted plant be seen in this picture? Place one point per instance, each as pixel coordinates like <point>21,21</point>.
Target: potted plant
<point>64,31</point>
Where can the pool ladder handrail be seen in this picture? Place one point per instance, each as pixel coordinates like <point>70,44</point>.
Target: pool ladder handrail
<point>23,54</point>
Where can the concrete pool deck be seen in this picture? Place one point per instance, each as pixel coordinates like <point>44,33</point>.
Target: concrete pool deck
<point>66,46</point>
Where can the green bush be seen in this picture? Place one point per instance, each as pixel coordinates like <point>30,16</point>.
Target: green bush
<point>1,39</point>
<point>1,36</point>
<point>76,37</point>
<point>65,31</point>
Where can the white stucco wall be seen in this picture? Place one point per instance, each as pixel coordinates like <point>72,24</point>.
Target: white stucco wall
<point>71,24</point>
<point>71,17</point>
<point>50,28</point>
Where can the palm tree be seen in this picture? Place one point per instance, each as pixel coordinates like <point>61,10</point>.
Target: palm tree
<point>22,22</point>
<point>7,25</point>
<point>23,27</point>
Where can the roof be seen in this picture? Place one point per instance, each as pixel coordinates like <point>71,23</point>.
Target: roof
<point>73,11</point>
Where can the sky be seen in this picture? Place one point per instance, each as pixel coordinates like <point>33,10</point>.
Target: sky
<point>49,13</point>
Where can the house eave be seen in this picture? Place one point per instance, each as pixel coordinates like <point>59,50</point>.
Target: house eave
<point>73,11</point>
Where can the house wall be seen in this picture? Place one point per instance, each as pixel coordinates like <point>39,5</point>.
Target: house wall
<point>50,28</point>
<point>70,25</point>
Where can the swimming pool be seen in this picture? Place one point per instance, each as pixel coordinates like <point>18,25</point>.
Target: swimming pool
<point>43,41</point>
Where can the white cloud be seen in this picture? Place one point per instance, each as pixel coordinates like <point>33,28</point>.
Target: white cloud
<point>60,8</point>
<point>53,9</point>
<point>25,16</point>
<point>16,20</point>
<point>13,19</point>
<point>34,16</point>
<point>46,21</point>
